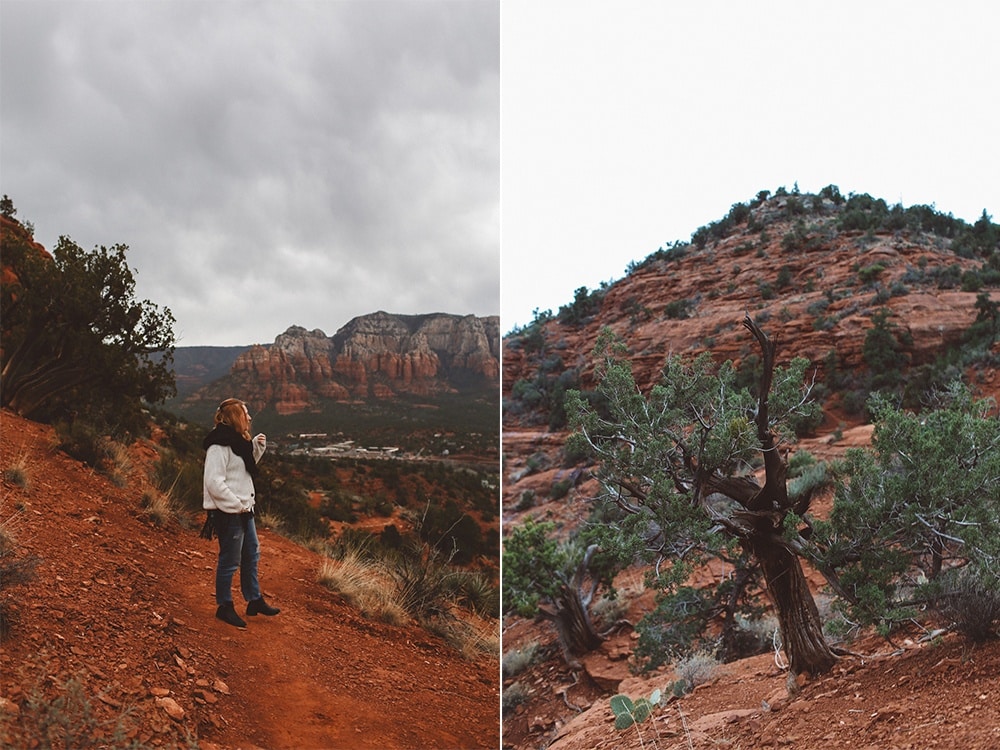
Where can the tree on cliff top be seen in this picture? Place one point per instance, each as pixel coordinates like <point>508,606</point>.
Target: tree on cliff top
<point>678,461</point>
<point>75,339</point>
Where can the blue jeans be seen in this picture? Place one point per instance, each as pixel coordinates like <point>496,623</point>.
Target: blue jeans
<point>238,548</point>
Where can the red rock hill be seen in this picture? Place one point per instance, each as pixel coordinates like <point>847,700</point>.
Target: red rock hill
<point>814,271</point>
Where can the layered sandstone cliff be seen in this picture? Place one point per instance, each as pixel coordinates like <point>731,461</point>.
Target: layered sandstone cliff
<point>373,356</point>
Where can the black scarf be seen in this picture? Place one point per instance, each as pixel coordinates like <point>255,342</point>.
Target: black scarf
<point>223,434</point>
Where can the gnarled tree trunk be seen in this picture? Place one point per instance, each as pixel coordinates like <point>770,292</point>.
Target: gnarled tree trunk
<point>798,618</point>
<point>577,634</point>
<point>759,528</point>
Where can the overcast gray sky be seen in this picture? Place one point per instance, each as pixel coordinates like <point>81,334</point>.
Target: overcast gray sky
<point>267,163</point>
<point>630,124</point>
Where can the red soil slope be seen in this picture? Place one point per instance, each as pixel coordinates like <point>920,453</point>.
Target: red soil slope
<point>922,692</point>
<point>932,693</point>
<point>127,608</point>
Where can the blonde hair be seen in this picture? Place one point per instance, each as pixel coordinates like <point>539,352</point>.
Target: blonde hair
<point>233,412</point>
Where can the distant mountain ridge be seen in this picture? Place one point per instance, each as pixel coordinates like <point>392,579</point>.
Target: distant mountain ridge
<point>197,366</point>
<point>374,357</point>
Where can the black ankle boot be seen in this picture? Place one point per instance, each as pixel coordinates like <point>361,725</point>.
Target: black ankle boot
<point>260,607</point>
<point>227,613</point>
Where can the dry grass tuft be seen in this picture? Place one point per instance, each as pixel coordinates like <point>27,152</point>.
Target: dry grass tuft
<point>516,661</point>
<point>159,506</point>
<point>119,464</point>
<point>364,584</point>
<point>18,473</point>
<point>471,638</point>
<point>696,668</point>
<point>270,521</point>
<point>14,569</point>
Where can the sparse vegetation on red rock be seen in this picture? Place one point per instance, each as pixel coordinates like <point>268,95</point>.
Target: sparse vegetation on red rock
<point>877,297</point>
<point>120,622</point>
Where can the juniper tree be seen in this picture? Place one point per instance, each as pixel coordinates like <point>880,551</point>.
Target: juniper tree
<point>74,334</point>
<point>680,462</point>
<point>915,509</point>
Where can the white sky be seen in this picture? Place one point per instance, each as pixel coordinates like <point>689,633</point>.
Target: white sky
<point>628,125</point>
<point>268,162</point>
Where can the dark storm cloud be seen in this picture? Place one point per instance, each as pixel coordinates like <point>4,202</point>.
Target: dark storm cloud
<point>268,164</point>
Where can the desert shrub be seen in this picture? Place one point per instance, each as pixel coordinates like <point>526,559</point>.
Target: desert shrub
<point>636,311</point>
<point>855,400</point>
<point>824,323</point>
<point>516,661</point>
<point>719,230</point>
<point>63,713</point>
<point>784,277</point>
<point>17,476</point>
<point>807,480</point>
<point>14,570</point>
<point>982,239</point>
<point>971,281</point>
<point>674,627</point>
<point>796,239</point>
<point>84,442</point>
<point>531,338</point>
<point>476,592</point>
<point>18,472</point>
<point>799,461</point>
<point>469,639</point>
<point>757,635</point>
<point>948,277</point>
<point>424,581</point>
<point>679,309</point>
<point>870,274</point>
<point>528,393</point>
<point>794,206</point>
<point>898,289</point>
<point>584,305</point>
<point>452,531</point>
<point>275,523</point>
<point>884,351</point>
<point>157,506</point>
<point>364,584</point>
<point>971,604</point>
<point>832,193</point>
<point>560,489</point>
<point>526,501</point>
<point>513,696</point>
<point>696,669</point>
<point>537,461</point>
<point>558,387</point>
<point>671,252</point>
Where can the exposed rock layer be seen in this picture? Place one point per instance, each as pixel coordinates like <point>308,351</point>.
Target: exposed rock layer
<point>373,356</point>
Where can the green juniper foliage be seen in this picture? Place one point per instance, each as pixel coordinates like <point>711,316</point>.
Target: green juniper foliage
<point>659,454</point>
<point>920,502</point>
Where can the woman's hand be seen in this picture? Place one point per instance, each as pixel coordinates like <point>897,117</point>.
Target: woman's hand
<point>261,440</point>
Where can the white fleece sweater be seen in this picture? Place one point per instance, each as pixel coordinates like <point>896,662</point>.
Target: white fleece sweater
<point>228,485</point>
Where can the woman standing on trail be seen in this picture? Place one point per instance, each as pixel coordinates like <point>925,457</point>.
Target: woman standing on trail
<point>231,457</point>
